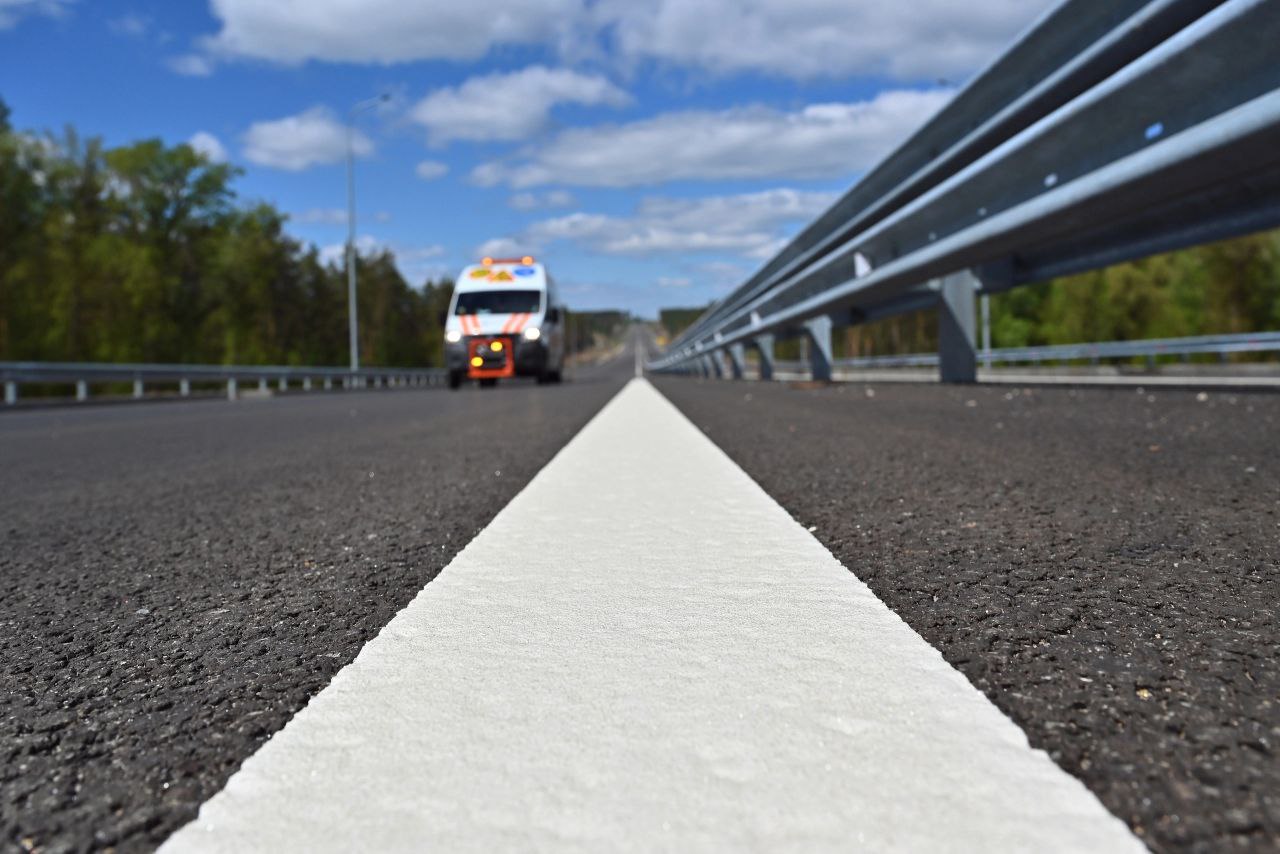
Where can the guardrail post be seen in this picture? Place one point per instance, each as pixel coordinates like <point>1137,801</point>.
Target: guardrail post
<point>328,383</point>
<point>262,384</point>
<point>737,356</point>
<point>137,388</point>
<point>306,383</point>
<point>82,390</point>
<point>184,387</point>
<point>986,331</point>
<point>764,347</point>
<point>10,392</point>
<point>818,332</point>
<point>231,388</point>
<point>717,364</point>
<point>283,384</point>
<point>957,349</point>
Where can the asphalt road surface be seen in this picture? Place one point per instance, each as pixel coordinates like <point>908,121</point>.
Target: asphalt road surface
<point>179,578</point>
<point>1103,564</point>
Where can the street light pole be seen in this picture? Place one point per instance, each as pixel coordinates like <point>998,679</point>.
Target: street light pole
<point>354,342</point>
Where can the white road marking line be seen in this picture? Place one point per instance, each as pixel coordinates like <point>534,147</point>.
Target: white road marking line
<point>644,651</point>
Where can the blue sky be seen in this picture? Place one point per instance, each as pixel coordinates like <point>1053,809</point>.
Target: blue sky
<point>651,152</point>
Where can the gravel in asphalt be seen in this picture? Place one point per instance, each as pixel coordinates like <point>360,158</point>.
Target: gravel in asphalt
<point>1103,564</point>
<point>180,578</point>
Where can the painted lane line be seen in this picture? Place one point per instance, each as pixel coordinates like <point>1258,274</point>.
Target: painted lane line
<point>644,651</point>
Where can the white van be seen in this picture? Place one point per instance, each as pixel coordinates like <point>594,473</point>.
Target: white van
<point>505,320</point>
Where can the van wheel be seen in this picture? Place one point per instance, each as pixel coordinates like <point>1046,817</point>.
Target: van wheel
<point>488,382</point>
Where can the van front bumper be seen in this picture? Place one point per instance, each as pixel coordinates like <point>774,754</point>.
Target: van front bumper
<point>530,357</point>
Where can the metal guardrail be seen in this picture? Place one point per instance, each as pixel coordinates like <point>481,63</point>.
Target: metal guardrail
<point>1220,345</point>
<point>85,374</point>
<point>1108,131</point>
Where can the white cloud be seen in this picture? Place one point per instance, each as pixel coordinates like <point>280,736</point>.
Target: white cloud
<point>12,11</point>
<point>920,39</point>
<point>207,144</point>
<point>298,142</point>
<point>674,281</point>
<point>748,225</point>
<point>509,106</point>
<point>818,141</point>
<point>503,247</point>
<point>429,170</point>
<point>536,201</point>
<point>385,31</point>
<point>917,40</point>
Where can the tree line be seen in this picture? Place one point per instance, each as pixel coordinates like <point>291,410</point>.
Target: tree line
<point>142,253</point>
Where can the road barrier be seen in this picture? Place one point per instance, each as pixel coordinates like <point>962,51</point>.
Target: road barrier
<point>1149,349</point>
<point>1108,131</point>
<point>83,375</point>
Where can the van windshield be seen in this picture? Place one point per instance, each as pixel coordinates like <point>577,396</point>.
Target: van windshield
<point>498,302</point>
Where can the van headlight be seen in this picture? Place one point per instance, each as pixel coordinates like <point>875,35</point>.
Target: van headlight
<point>532,333</point>
<point>453,336</point>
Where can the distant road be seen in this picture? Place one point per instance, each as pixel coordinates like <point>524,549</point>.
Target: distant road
<point>180,578</point>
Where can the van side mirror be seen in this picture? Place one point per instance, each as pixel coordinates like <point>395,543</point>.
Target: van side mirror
<point>553,315</point>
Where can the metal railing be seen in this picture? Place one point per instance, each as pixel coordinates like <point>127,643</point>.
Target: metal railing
<point>1108,131</point>
<point>84,375</point>
<point>1150,349</point>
